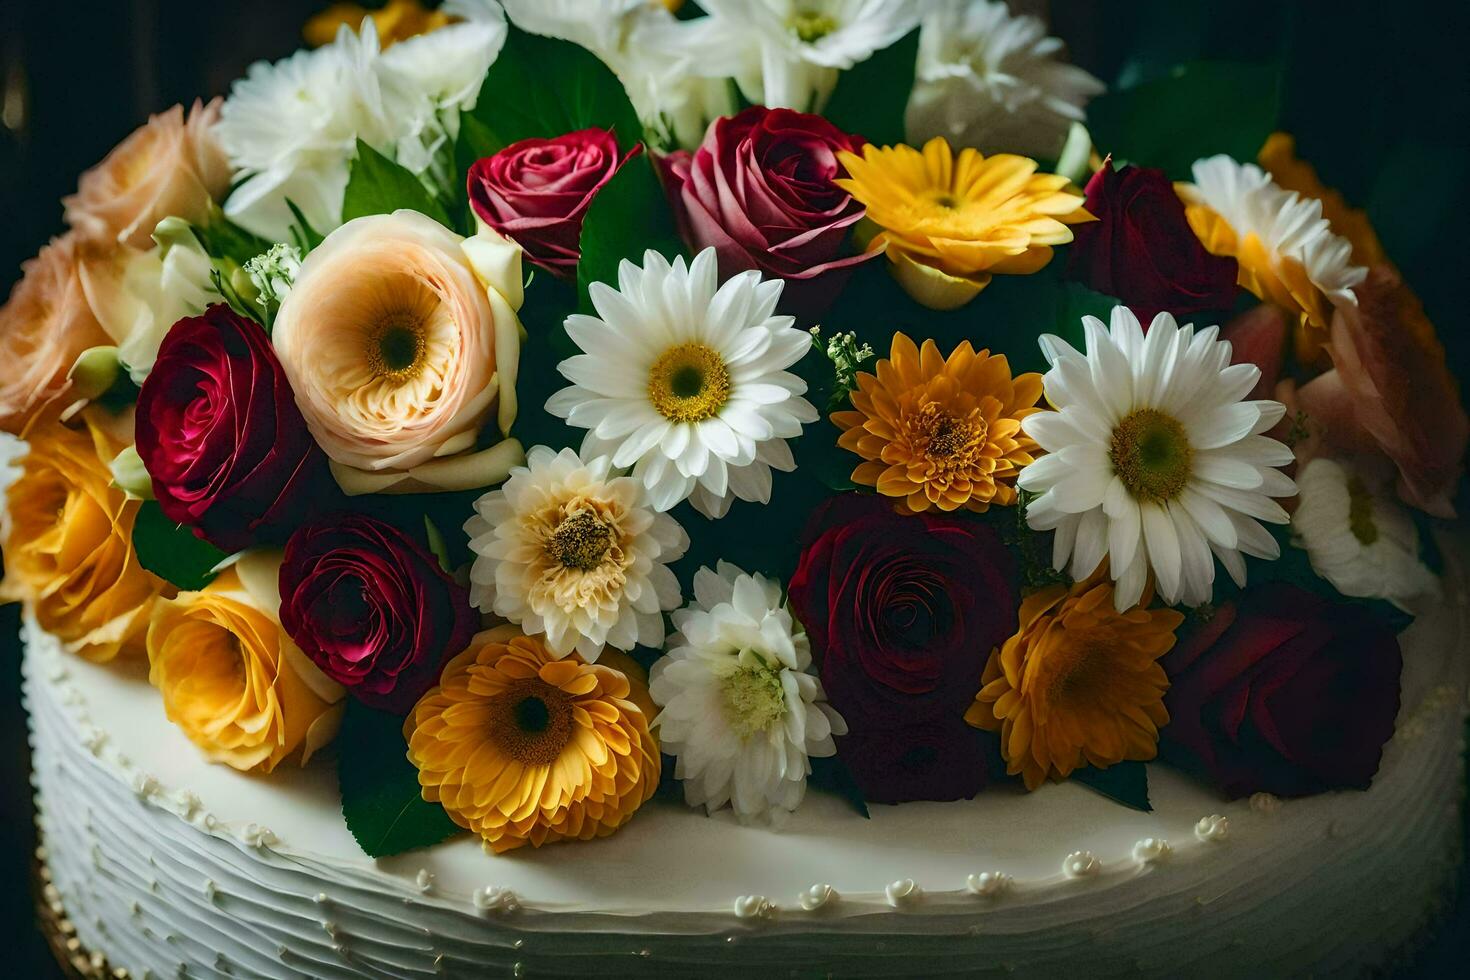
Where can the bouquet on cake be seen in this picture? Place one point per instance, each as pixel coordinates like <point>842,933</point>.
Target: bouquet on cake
<point>531,408</point>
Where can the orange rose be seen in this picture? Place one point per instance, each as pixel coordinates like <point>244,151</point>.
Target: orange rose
<point>69,543</point>
<point>44,325</point>
<point>172,165</point>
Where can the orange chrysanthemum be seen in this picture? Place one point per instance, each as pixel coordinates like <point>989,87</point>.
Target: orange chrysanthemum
<point>397,20</point>
<point>1278,158</point>
<point>523,748</point>
<point>1079,684</point>
<point>940,433</point>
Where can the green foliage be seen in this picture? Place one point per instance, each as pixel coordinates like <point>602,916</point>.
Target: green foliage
<point>629,215</point>
<point>303,235</point>
<point>832,775</point>
<point>172,552</point>
<point>870,98</point>
<point>1123,782</point>
<point>381,800</point>
<point>378,185</point>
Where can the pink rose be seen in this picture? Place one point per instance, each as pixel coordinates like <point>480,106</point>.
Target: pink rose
<point>1258,336</point>
<point>760,191</point>
<point>536,192</point>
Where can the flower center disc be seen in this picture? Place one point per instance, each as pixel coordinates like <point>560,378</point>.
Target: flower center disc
<point>948,438</point>
<point>754,700</point>
<point>811,26</point>
<point>1151,453</point>
<point>689,383</point>
<point>1360,512</point>
<point>580,541</point>
<point>531,722</point>
<point>396,350</point>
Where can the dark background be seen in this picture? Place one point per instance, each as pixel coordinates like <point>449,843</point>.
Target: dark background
<point>1377,94</point>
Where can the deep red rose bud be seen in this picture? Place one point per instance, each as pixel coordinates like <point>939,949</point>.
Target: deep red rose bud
<point>937,761</point>
<point>1285,692</point>
<point>537,192</point>
<point>760,191</point>
<point>1142,251</point>
<point>222,439</point>
<point>373,609</point>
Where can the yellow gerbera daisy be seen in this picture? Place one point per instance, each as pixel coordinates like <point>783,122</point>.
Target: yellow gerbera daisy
<point>940,433</point>
<point>396,21</point>
<point>1079,684</point>
<point>523,748</point>
<point>950,223</point>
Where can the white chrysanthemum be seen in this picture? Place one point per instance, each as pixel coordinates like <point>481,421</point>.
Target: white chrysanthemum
<point>1287,225</point>
<point>686,381</point>
<point>12,451</point>
<point>570,549</point>
<point>1363,542</point>
<point>742,713</point>
<point>1154,461</point>
<point>792,50</point>
<point>995,81</point>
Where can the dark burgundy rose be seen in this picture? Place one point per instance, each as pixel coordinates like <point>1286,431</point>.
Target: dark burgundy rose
<point>760,191</point>
<point>939,760</point>
<point>1142,250</point>
<point>222,439</point>
<point>1285,692</point>
<point>372,608</point>
<point>536,192</point>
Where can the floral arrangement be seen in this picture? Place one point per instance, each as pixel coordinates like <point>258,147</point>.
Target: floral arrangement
<point>534,408</point>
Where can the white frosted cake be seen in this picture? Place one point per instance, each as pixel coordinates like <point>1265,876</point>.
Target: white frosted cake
<point>171,866</point>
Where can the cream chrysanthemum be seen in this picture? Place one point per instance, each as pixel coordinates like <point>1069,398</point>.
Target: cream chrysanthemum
<point>1362,542</point>
<point>742,712</point>
<point>1287,252</point>
<point>685,380</point>
<point>1154,460</point>
<point>568,549</point>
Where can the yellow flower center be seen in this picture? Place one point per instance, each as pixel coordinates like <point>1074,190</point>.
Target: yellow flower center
<point>531,721</point>
<point>396,349</point>
<point>754,700</point>
<point>811,26</point>
<point>1360,512</point>
<point>1151,453</point>
<point>947,438</point>
<point>689,383</point>
<point>580,541</point>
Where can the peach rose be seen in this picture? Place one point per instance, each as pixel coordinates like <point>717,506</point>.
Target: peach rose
<point>172,165</point>
<point>1390,393</point>
<point>69,542</point>
<point>44,326</point>
<point>400,339</point>
<point>230,676</point>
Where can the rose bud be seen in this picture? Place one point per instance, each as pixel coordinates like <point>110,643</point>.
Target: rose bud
<point>373,609</point>
<point>536,192</point>
<point>220,434</point>
<point>760,191</point>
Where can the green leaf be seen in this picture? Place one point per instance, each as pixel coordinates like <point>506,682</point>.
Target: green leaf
<point>1200,109</point>
<point>303,235</point>
<point>377,185</point>
<point>172,552</point>
<point>438,547</point>
<point>870,98</point>
<point>381,801</point>
<point>630,214</point>
<point>559,87</point>
<point>1123,782</point>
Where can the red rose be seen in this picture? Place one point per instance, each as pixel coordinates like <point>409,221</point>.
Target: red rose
<point>940,760</point>
<point>902,612</point>
<point>220,434</point>
<point>372,608</point>
<point>536,192</point>
<point>759,190</point>
<point>1284,692</point>
<point>1142,250</point>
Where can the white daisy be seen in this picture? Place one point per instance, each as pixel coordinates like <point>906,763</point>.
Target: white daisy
<point>793,50</point>
<point>992,80</point>
<point>686,382</point>
<point>742,713</point>
<point>1361,541</point>
<point>1154,460</point>
<point>568,548</point>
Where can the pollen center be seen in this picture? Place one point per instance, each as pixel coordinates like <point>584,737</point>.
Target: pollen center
<point>1151,453</point>
<point>580,541</point>
<point>1360,512</point>
<point>531,721</point>
<point>947,438</point>
<point>689,383</point>
<point>396,350</point>
<point>810,26</point>
<point>754,700</point>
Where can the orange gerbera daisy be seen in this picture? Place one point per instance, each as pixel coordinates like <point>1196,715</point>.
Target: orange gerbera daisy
<point>940,433</point>
<point>1079,684</point>
<point>523,748</point>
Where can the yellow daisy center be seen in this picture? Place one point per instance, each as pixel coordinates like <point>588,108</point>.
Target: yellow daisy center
<point>580,541</point>
<point>1151,453</point>
<point>531,722</point>
<point>811,26</point>
<point>689,383</point>
<point>754,700</point>
<point>396,349</point>
<point>947,438</point>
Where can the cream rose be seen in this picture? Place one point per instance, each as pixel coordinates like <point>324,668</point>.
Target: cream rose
<point>172,165</point>
<point>230,676</point>
<point>400,340</point>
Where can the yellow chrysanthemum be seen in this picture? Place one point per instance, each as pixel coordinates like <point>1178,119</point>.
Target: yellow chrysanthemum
<point>949,223</point>
<point>523,748</point>
<point>1079,684</point>
<point>398,20</point>
<point>940,433</point>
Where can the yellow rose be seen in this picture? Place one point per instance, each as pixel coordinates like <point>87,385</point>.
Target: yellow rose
<point>69,542</point>
<point>232,679</point>
<point>401,342</point>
